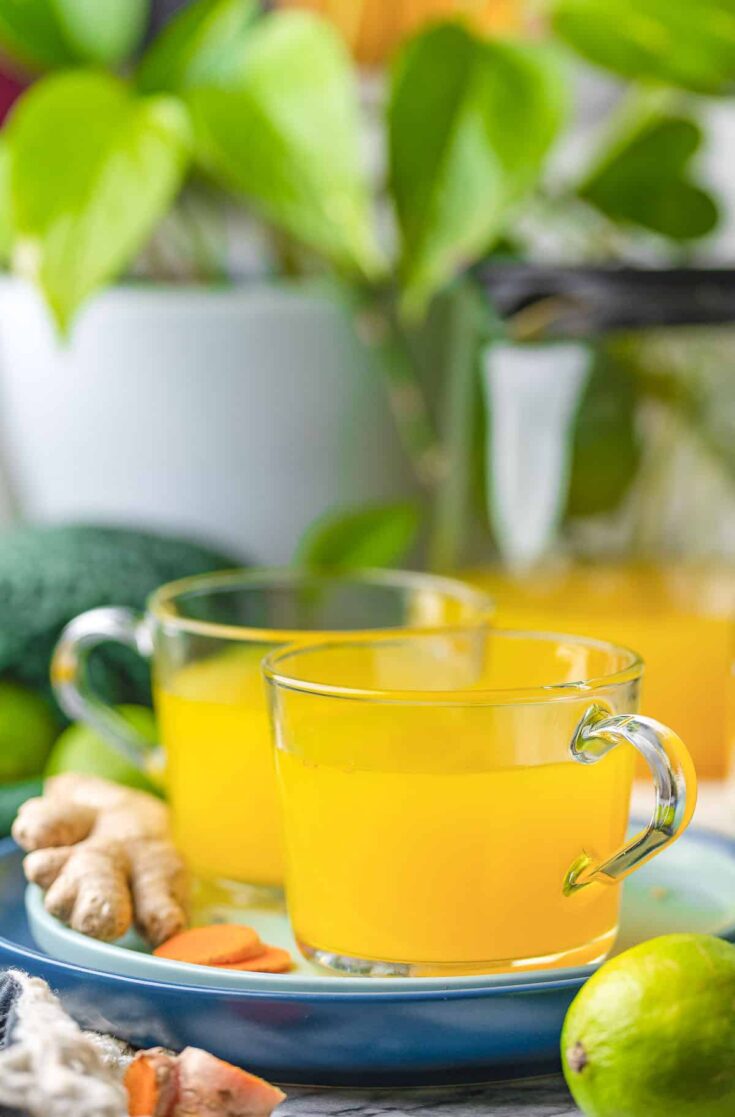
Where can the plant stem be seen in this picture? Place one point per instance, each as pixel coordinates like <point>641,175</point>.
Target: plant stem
<point>200,227</point>
<point>461,358</point>
<point>379,327</point>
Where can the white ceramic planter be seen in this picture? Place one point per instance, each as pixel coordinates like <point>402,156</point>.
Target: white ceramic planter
<point>235,416</point>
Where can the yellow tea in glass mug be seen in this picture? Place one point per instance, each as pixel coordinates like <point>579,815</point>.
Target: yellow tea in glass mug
<point>207,636</point>
<point>458,802</point>
<point>664,611</point>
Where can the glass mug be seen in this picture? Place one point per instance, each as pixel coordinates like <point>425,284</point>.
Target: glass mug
<point>457,803</point>
<point>206,637</point>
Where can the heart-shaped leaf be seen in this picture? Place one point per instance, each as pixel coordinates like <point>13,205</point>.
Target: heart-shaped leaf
<point>376,536</point>
<point>92,170</point>
<point>470,123</point>
<point>200,45</point>
<point>674,41</point>
<point>45,34</point>
<point>644,180</point>
<point>286,137</point>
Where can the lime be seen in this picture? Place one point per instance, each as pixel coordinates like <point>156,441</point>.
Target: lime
<point>27,731</point>
<point>81,749</point>
<point>12,796</point>
<point>652,1033</point>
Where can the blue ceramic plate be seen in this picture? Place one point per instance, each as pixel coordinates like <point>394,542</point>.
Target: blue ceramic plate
<point>131,957</point>
<point>353,1031</point>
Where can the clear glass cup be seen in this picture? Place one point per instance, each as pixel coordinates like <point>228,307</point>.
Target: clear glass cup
<point>457,803</point>
<point>206,637</point>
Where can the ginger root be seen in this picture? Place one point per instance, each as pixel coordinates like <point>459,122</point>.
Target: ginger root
<point>104,856</point>
<point>195,1084</point>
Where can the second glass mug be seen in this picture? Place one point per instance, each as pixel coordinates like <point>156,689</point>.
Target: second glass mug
<point>206,637</point>
<point>458,803</point>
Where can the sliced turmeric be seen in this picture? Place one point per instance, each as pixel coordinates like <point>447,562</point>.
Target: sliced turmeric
<point>272,960</point>
<point>220,944</point>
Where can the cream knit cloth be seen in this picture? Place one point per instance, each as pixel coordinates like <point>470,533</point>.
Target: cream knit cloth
<point>54,1069</point>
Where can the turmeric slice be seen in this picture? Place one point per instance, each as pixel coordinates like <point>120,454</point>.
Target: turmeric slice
<point>272,960</point>
<point>220,944</point>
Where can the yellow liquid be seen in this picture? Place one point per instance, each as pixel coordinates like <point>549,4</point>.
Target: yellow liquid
<point>436,864</point>
<point>214,726</point>
<point>679,619</point>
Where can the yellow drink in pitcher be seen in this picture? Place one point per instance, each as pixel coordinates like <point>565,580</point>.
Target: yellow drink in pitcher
<point>680,618</point>
<point>413,864</point>
<point>220,778</point>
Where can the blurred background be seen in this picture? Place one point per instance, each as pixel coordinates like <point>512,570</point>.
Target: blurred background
<point>447,284</point>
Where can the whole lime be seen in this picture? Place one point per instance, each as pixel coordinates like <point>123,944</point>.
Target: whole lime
<point>81,749</point>
<point>652,1033</point>
<point>27,731</point>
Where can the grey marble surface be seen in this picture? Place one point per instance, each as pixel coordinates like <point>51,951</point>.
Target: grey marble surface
<point>540,1097</point>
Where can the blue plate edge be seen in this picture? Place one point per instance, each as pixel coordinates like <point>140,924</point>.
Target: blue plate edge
<point>8,846</point>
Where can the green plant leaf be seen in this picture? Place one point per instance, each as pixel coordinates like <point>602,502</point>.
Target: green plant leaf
<point>6,217</point>
<point>202,44</point>
<point>92,170</point>
<point>379,535</point>
<point>673,41</point>
<point>104,32</point>
<point>48,34</point>
<point>606,450</point>
<point>286,137</point>
<point>30,33</point>
<point>645,181</point>
<point>470,123</point>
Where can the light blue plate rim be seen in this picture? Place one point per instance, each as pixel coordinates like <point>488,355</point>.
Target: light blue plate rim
<point>517,984</point>
<point>117,958</point>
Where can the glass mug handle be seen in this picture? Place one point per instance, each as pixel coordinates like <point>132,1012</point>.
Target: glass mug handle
<point>674,779</point>
<point>69,677</point>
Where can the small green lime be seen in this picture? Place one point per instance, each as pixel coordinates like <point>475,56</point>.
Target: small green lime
<point>27,732</point>
<point>12,796</point>
<point>652,1033</point>
<point>81,749</point>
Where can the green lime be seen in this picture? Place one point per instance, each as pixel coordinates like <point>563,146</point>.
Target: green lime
<point>81,749</point>
<point>27,732</point>
<point>12,796</point>
<point>652,1033</point>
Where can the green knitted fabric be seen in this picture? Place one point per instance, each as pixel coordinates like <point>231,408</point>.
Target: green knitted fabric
<point>50,574</point>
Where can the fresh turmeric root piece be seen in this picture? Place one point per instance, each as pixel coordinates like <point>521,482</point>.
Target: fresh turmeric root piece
<point>104,856</point>
<point>220,944</point>
<point>209,1086</point>
<point>151,1083</point>
<point>272,960</point>
<point>195,1084</point>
